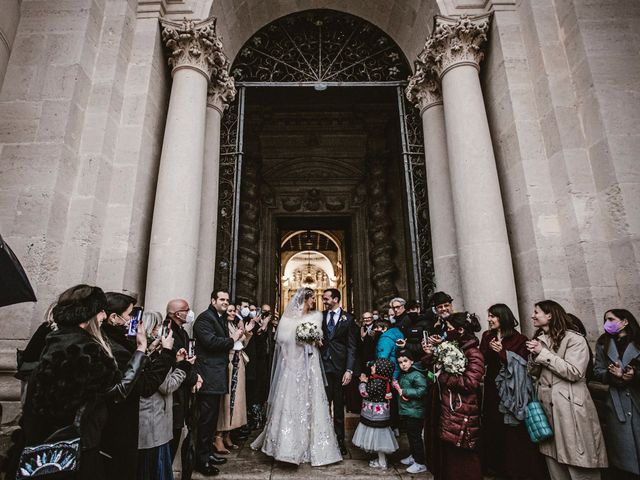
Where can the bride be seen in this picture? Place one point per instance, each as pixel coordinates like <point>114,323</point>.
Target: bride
<point>299,427</point>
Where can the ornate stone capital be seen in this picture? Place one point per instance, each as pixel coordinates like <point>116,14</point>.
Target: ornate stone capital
<point>193,44</point>
<point>424,87</point>
<point>455,42</point>
<point>222,89</point>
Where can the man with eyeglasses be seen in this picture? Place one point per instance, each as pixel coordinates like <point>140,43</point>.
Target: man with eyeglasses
<point>180,314</point>
<point>400,314</point>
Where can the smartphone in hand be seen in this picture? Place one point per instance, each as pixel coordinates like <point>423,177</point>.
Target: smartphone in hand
<point>136,318</point>
<point>191,348</point>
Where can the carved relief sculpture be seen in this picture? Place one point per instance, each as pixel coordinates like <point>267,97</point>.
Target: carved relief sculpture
<point>248,235</point>
<point>381,246</point>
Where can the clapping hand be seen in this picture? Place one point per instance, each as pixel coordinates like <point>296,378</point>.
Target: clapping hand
<point>238,334</point>
<point>616,370</point>
<point>495,345</point>
<point>534,346</point>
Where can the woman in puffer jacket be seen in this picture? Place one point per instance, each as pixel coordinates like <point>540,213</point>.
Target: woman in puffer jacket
<point>459,426</point>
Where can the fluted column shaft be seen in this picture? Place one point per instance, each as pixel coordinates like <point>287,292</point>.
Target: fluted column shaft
<point>424,91</point>
<point>483,245</point>
<point>175,227</point>
<point>218,99</point>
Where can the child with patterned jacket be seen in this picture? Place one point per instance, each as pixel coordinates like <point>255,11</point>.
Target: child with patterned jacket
<point>374,432</point>
<point>412,390</point>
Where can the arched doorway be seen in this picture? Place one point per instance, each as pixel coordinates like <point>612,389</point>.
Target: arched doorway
<point>320,139</point>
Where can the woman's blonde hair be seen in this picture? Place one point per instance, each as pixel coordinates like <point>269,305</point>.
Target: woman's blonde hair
<point>151,320</point>
<point>93,327</point>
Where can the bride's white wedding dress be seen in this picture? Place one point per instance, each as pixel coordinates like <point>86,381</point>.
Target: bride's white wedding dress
<point>299,428</point>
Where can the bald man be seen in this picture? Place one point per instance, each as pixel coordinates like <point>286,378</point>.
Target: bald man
<point>179,314</point>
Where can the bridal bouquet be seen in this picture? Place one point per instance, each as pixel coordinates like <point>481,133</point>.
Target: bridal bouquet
<point>308,333</point>
<point>450,358</point>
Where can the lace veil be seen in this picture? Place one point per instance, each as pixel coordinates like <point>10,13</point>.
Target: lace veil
<point>285,338</point>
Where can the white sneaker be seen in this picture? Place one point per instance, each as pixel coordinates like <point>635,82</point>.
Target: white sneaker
<point>376,464</point>
<point>417,468</point>
<point>407,461</point>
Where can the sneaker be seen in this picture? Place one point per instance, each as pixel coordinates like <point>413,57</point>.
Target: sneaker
<point>376,464</point>
<point>417,468</point>
<point>407,461</point>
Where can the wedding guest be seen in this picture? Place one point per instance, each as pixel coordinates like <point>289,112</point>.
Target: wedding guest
<point>617,365</point>
<point>412,389</point>
<point>374,434</point>
<point>179,315</point>
<point>457,444</point>
<point>507,450</point>
<point>120,436</point>
<point>368,340</point>
<point>212,349</point>
<point>559,359</point>
<point>387,343</point>
<point>399,312</point>
<point>77,370</point>
<point>228,418</point>
<point>156,411</point>
<point>263,363</point>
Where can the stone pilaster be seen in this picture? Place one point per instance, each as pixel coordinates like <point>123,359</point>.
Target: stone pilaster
<point>454,53</point>
<point>195,57</point>
<point>425,93</point>
<point>221,93</point>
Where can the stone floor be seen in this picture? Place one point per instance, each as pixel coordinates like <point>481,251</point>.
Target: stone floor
<point>247,464</point>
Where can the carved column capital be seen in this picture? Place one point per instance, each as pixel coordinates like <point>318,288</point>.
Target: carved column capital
<point>424,87</point>
<point>222,89</point>
<point>192,44</point>
<point>455,42</point>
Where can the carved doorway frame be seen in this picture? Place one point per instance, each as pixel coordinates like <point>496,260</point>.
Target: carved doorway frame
<point>256,67</point>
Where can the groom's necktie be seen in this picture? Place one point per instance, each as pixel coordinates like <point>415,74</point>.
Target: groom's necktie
<point>332,323</point>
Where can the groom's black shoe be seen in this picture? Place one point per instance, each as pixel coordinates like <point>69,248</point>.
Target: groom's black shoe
<point>343,448</point>
<point>207,470</point>
<point>216,460</point>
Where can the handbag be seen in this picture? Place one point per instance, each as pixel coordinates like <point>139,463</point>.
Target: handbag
<point>57,457</point>
<point>536,422</point>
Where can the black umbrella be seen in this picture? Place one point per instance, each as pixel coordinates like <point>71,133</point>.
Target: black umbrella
<point>234,383</point>
<point>14,284</point>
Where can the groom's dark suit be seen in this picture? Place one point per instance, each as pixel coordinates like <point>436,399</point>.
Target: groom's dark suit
<point>338,355</point>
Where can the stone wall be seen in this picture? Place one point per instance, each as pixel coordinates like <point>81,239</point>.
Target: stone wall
<point>82,110</point>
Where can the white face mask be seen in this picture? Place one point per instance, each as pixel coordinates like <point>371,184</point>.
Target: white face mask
<point>244,312</point>
<point>191,316</point>
<point>253,314</point>
<point>375,317</point>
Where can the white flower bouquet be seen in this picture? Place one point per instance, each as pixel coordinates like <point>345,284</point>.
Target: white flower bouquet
<point>450,358</point>
<point>308,333</point>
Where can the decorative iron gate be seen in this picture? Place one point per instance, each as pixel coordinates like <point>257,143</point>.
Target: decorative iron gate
<point>321,48</point>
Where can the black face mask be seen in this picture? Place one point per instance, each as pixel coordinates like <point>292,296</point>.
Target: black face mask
<point>413,316</point>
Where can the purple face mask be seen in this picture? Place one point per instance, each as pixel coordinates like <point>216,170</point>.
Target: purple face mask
<point>612,327</point>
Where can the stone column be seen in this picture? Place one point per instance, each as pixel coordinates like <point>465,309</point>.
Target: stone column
<point>454,51</point>
<point>192,48</point>
<point>424,91</point>
<point>221,93</point>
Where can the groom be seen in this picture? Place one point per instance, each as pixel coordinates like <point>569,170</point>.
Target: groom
<point>338,356</point>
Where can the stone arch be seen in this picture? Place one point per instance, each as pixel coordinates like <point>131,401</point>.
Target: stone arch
<point>407,22</point>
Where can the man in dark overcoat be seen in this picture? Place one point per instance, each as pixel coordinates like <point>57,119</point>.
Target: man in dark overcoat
<point>213,344</point>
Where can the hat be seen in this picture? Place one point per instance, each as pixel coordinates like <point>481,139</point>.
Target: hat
<point>439,298</point>
<point>78,305</point>
<point>384,367</point>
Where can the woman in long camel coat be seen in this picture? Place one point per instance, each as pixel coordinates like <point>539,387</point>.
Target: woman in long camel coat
<point>559,359</point>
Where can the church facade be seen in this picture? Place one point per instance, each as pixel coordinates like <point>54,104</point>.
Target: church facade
<point>487,148</point>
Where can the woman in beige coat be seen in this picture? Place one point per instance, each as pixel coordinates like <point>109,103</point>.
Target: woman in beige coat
<point>559,359</point>
<point>227,421</point>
